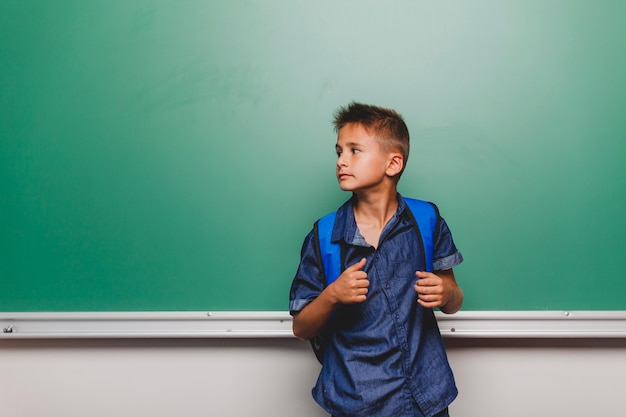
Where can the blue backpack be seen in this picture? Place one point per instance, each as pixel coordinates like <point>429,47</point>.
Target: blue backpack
<point>425,217</point>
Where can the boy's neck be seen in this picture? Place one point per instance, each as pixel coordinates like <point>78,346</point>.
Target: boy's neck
<point>375,209</point>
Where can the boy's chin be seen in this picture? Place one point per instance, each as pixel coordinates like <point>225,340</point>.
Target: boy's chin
<point>346,188</point>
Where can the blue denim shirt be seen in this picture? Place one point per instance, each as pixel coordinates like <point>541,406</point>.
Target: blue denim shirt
<point>385,356</point>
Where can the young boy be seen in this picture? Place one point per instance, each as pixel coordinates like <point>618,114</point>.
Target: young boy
<point>384,356</point>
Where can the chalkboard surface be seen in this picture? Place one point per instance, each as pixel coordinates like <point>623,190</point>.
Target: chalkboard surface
<point>171,156</point>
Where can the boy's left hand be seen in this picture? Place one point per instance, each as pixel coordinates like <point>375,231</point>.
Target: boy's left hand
<point>438,290</point>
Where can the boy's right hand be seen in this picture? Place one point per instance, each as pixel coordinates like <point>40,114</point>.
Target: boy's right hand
<point>351,286</point>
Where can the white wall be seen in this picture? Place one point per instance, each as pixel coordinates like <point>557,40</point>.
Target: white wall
<point>523,378</point>
<point>273,377</point>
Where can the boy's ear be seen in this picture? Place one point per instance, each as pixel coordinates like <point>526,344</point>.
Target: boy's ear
<point>395,165</point>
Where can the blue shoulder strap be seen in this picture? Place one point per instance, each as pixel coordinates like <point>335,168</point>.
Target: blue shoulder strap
<point>330,252</point>
<point>426,219</point>
<point>424,214</point>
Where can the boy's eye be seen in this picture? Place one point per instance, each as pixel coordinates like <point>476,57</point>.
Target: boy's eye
<point>356,150</point>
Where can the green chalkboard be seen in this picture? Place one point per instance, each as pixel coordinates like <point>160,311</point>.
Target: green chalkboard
<point>171,155</point>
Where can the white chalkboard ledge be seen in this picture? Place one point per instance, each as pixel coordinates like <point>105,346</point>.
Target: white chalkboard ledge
<point>250,324</point>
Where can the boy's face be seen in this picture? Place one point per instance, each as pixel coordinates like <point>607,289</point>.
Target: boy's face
<point>361,162</point>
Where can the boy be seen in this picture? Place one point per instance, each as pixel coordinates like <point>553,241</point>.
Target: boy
<point>384,356</point>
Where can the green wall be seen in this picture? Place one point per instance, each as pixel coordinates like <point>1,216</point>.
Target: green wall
<point>172,155</point>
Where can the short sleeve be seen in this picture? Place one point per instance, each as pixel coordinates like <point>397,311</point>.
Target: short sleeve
<point>446,255</point>
<point>307,284</point>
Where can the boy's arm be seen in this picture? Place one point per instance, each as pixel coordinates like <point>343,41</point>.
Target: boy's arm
<point>310,321</point>
<point>349,288</point>
<point>439,289</point>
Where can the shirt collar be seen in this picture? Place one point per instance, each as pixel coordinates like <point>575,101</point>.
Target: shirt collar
<point>345,224</point>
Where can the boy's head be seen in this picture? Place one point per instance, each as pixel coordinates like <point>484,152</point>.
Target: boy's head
<point>386,125</point>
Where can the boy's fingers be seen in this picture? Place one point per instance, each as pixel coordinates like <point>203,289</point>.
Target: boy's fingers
<point>357,266</point>
<point>427,304</point>
<point>428,286</point>
<point>427,291</point>
<point>427,282</point>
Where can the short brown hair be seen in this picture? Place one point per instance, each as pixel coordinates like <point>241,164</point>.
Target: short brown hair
<point>386,124</point>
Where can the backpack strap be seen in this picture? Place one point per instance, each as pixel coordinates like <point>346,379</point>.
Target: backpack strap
<point>426,218</point>
<point>329,252</point>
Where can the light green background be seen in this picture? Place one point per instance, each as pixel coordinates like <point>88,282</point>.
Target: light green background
<point>172,155</point>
